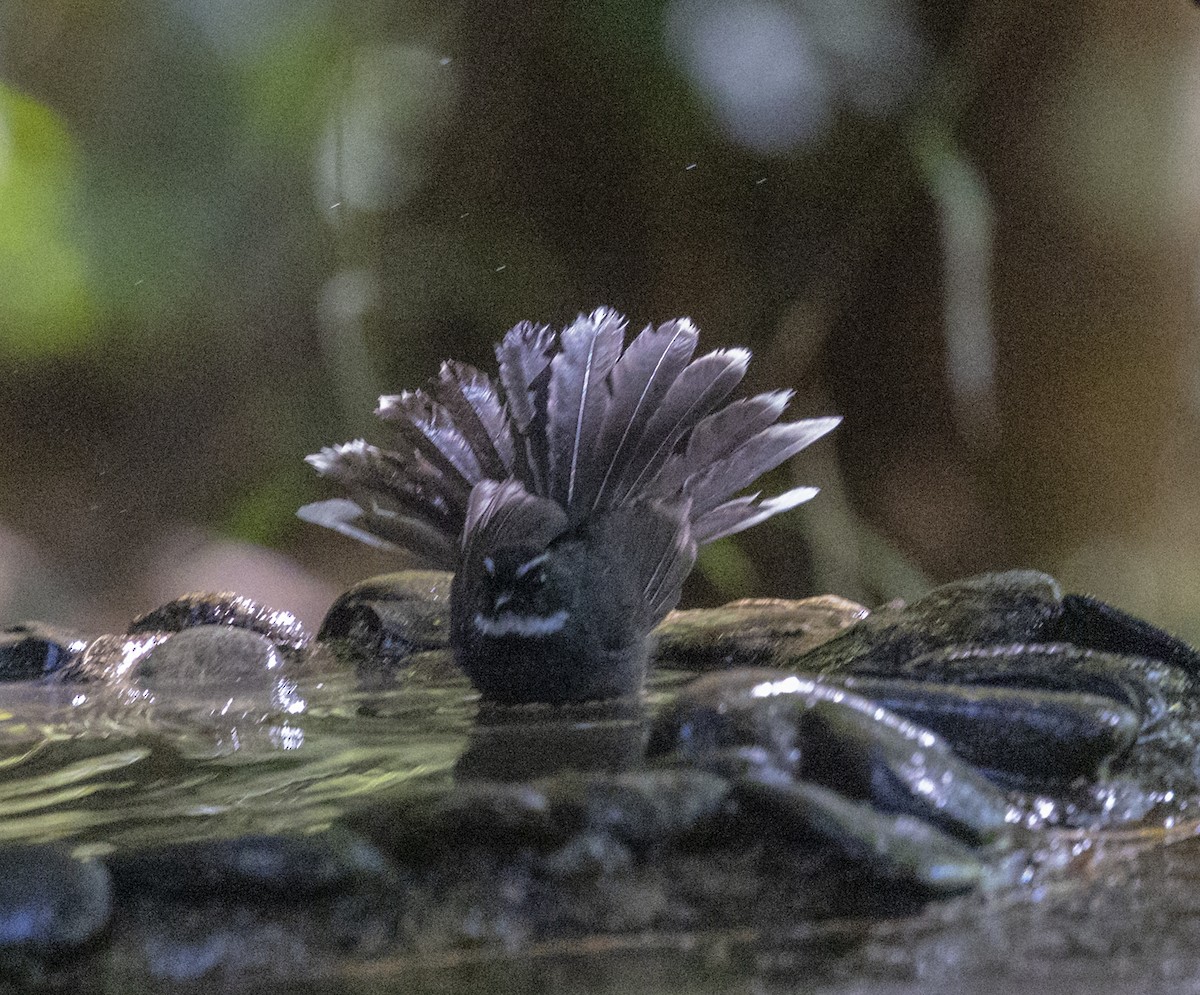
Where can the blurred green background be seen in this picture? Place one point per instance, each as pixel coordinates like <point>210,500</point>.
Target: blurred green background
<point>972,229</point>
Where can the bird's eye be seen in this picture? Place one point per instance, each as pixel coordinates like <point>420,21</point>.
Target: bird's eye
<point>533,572</point>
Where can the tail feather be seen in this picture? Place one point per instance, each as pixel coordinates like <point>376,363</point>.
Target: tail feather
<point>475,408</point>
<point>524,356</point>
<point>742,513</point>
<point>718,436</point>
<point>640,381</point>
<point>698,390</point>
<point>578,401</point>
<point>759,454</point>
<point>382,529</point>
<point>407,480</point>
<point>427,427</point>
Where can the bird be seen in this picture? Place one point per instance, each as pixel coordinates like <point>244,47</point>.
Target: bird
<point>569,496</point>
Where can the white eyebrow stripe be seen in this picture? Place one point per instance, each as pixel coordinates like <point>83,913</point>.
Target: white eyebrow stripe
<point>524,568</point>
<point>508,624</point>
<point>489,566</point>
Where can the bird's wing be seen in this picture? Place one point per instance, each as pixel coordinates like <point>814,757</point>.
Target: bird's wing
<point>648,547</point>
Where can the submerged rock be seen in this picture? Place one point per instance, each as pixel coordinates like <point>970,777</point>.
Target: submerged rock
<point>211,656</point>
<point>898,847</point>
<point>50,903</point>
<point>255,867</point>
<point>640,809</point>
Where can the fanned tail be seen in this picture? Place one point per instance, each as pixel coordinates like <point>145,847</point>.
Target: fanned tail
<point>584,427</point>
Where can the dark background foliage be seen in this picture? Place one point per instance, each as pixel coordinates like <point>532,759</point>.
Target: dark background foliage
<point>970,228</point>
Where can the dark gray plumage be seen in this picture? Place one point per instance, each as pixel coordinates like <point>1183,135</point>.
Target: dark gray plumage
<point>570,506</point>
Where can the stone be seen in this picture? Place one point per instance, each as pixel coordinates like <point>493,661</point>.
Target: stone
<point>224,608</point>
<point>991,608</point>
<point>753,632</point>
<point>389,618</point>
<point>254,867</point>
<point>212,655</point>
<point>50,903</point>
<point>32,650</point>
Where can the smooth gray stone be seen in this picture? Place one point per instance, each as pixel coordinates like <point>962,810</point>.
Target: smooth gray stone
<point>212,654</point>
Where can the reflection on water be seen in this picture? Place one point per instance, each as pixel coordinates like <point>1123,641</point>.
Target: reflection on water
<point>138,761</point>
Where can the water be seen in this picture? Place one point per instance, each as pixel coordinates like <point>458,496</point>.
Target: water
<point>105,767</point>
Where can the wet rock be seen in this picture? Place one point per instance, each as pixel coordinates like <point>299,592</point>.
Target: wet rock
<point>389,618</point>
<point>587,856</point>
<point>991,608</point>
<point>211,656</point>
<point>31,650</point>
<point>644,808</point>
<point>1020,735</point>
<point>1147,687</point>
<point>753,632</point>
<point>255,867</point>
<point>423,828</point>
<point>1086,621</point>
<point>50,903</point>
<point>1018,607</point>
<point>640,809</point>
<point>762,724</point>
<point>896,847</point>
<point>240,940</point>
<point>226,608</point>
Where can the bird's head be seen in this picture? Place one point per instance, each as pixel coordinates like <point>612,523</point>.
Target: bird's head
<point>525,592</point>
